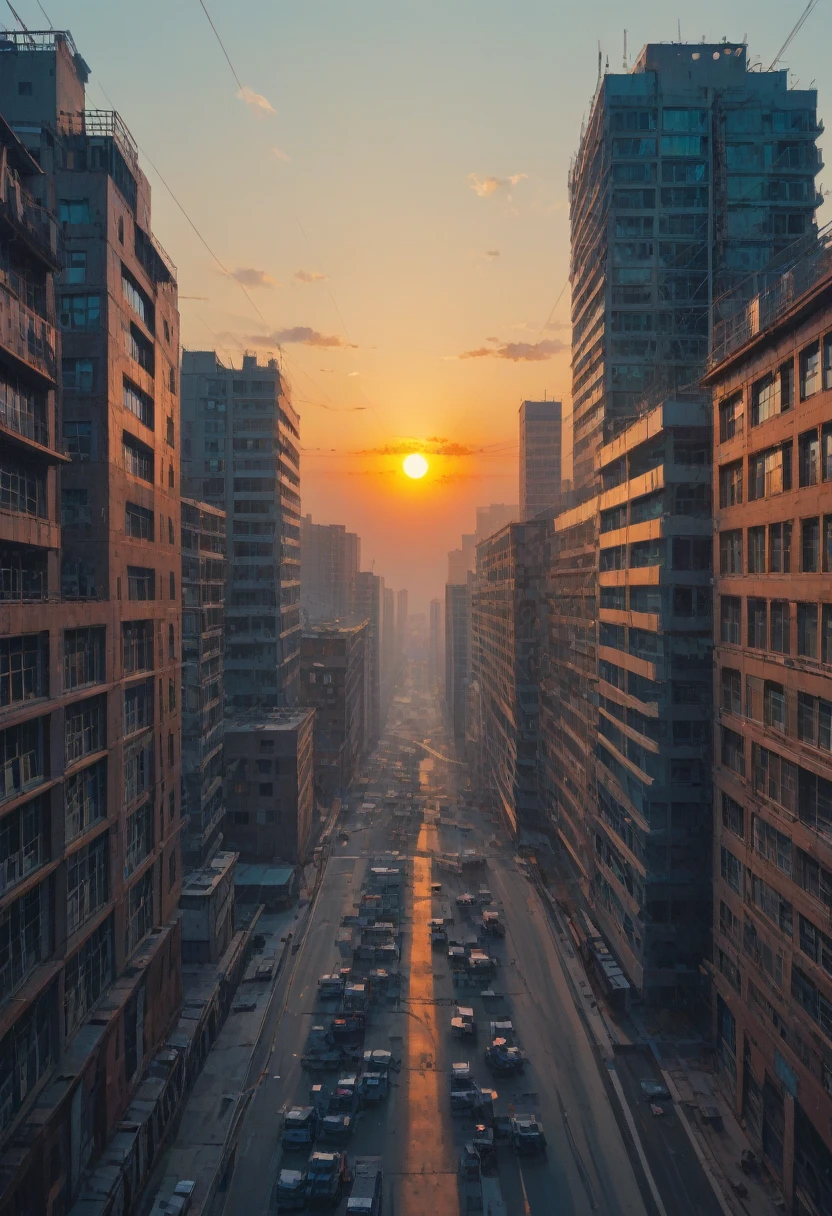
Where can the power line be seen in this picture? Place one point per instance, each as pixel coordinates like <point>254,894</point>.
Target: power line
<point>222,45</point>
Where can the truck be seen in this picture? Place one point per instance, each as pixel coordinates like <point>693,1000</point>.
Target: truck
<point>365,1197</point>
<point>463,1025</point>
<point>291,1191</point>
<point>299,1128</point>
<point>500,1057</point>
<point>326,1174</point>
<point>329,987</point>
<point>527,1134</point>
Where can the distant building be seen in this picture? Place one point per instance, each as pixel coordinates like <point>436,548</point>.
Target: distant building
<point>334,681</point>
<point>330,558</point>
<point>203,620</point>
<point>506,606</point>
<point>540,457</point>
<point>206,910</point>
<point>240,452</point>
<point>369,606</point>
<point>436,646</point>
<point>401,621</point>
<point>270,789</point>
<point>494,518</point>
<point>457,655</point>
<point>462,561</point>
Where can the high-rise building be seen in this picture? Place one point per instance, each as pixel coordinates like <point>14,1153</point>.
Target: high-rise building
<point>330,558</point>
<point>436,646</point>
<point>457,654</point>
<point>692,171</point>
<point>369,606</point>
<point>493,519</point>
<point>401,621</point>
<point>90,867</point>
<point>540,457</point>
<point>334,681</point>
<point>771,376</point>
<point>203,623</point>
<point>240,441</point>
<point>463,560</point>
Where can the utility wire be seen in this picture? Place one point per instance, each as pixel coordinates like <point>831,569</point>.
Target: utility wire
<point>46,15</point>
<point>222,45</point>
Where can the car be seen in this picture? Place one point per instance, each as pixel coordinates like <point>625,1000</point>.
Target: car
<point>653,1090</point>
<point>466,900</point>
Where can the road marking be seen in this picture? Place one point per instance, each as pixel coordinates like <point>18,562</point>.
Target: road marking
<point>628,1118</point>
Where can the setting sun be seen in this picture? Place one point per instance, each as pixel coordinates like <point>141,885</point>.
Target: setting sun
<point>415,465</point>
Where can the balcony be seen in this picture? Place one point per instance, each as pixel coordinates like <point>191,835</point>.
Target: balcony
<point>30,222</point>
<point>27,336</point>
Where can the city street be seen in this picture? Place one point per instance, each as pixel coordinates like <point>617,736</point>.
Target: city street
<point>409,799</point>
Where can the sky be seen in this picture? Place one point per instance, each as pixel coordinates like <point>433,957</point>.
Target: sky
<point>382,190</point>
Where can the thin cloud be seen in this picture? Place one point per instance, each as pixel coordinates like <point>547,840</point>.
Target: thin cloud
<point>303,335</point>
<point>492,339</point>
<point>281,155</point>
<point>519,352</point>
<point>308,276</point>
<point>491,254</point>
<point>552,326</point>
<point>250,276</point>
<point>255,101</point>
<point>486,187</point>
<point>353,373</point>
<point>430,447</point>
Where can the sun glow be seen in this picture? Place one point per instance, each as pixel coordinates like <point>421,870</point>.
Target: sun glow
<point>415,465</point>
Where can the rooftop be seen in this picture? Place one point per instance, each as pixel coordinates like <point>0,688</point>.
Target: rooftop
<point>203,882</point>
<point>330,629</point>
<point>268,719</point>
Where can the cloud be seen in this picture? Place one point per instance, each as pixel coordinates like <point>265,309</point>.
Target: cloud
<point>281,155</point>
<point>555,325</point>
<point>485,187</point>
<point>305,336</point>
<point>308,276</point>
<point>249,276</point>
<point>492,254</point>
<point>519,352</point>
<point>255,101</point>
<point>492,339</point>
<point>353,373</point>
<point>430,447</point>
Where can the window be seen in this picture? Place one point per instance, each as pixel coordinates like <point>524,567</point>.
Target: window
<point>813,878</point>
<point>807,630</point>
<point>757,623</point>
<point>138,521</point>
<point>171,755</point>
<point>691,553</point>
<point>171,643</point>
<point>24,668</point>
<point>139,912</point>
<point>730,552</point>
<point>138,458</point>
<point>731,691</point>
<point>774,846</point>
<point>733,750</point>
<point>22,489</point>
<point>780,548</point>
<point>772,394</point>
<point>78,375</point>
<point>137,299</point>
<point>771,903</point>
<point>138,707</point>
<point>770,472</point>
<point>88,974</point>
<point>137,646</point>
<point>730,484</point>
<point>139,348</point>
<point>85,729</point>
<point>733,816</point>
<point>141,583</point>
<point>84,661</point>
<point>172,870</point>
<point>814,721</point>
<point>85,799</point>
<point>138,769</point>
<point>775,777</point>
<point>137,402</point>
<point>78,440</point>
<point>808,459</point>
<point>730,619</point>
<point>87,881</point>
<point>757,550</point>
<point>171,695</point>
<point>809,371</point>
<point>75,267</point>
<point>25,930</point>
<point>774,701</point>
<point>75,508</point>
<point>730,417</point>
<point>729,924</point>
<point>80,314</point>
<point>266,789</point>
<point>827,361</point>
<point>730,869</point>
<point>779,626</point>
<point>74,210</point>
<point>171,538</point>
<point>816,944</point>
<point>810,545</point>
<point>826,633</point>
<point>138,834</point>
<point>172,581</point>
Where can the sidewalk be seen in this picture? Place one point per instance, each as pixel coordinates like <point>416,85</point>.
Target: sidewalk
<point>206,1137</point>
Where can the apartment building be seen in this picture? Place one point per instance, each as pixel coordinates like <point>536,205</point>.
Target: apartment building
<point>334,682</point>
<point>89,626</point>
<point>240,452</point>
<point>650,830</point>
<point>771,376</point>
<point>401,621</point>
<point>506,606</point>
<point>203,623</point>
<point>330,558</point>
<point>692,172</point>
<point>436,645</point>
<point>370,604</point>
<point>540,457</point>
<point>457,655</point>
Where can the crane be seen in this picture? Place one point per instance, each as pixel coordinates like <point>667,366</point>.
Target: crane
<point>795,31</point>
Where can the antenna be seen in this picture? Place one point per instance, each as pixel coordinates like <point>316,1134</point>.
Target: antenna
<point>624,61</point>
<point>795,30</point>
<point>679,27</point>
<point>599,60</point>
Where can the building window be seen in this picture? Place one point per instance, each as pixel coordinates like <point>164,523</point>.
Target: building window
<point>139,403</point>
<point>172,585</point>
<point>138,459</point>
<point>730,619</point>
<point>730,485</point>
<point>78,440</point>
<point>75,508</point>
<point>84,657</point>
<point>774,702</point>
<point>730,869</point>
<point>138,769</point>
<point>139,912</point>
<point>22,489</point>
<point>772,394</point>
<point>171,756</point>
<point>137,299</point>
<point>774,846</point>
<point>172,870</point>
<point>138,521</point>
<point>779,626</point>
<point>139,349</point>
<point>814,721</point>
<point>810,545</point>
<point>733,816</point>
<point>137,645</point>
<point>24,668</point>
<point>733,751</point>
<point>74,210</point>
<point>80,314</point>
<point>138,707</point>
<point>77,375</point>
<point>775,777</point>
<point>730,552</point>
<point>807,630</point>
<point>826,633</point>
<point>171,695</point>
<point>780,548</point>
<point>730,418</point>
<point>757,550</point>
<point>171,643</point>
<point>24,842</point>
<point>87,881</point>
<point>75,267</point>
<point>85,799</point>
<point>85,728</point>
<point>88,974</point>
<point>25,939</point>
<point>138,837</point>
<point>770,472</point>
<point>757,624</point>
<point>731,691</point>
<point>808,448</point>
<point>809,371</point>
<point>141,583</point>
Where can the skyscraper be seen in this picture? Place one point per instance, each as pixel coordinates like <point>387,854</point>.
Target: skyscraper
<point>330,557</point>
<point>401,621</point>
<point>90,627</point>
<point>540,457</point>
<point>240,439</point>
<point>691,173</point>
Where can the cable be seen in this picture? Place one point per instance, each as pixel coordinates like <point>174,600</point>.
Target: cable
<point>222,46</point>
<point>46,15</point>
<point>552,313</point>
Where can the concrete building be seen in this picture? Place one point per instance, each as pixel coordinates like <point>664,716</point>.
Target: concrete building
<point>457,654</point>
<point>389,658</point>
<point>334,681</point>
<point>771,376</point>
<point>651,825</point>
<point>493,519</point>
<point>540,457</point>
<point>270,788</point>
<point>330,558</point>
<point>369,606</point>
<point>462,561</point>
<point>506,606</point>
<point>203,623</point>
<point>240,441</point>
<point>401,621</point>
<point>436,646</point>
<point>206,910</point>
<point>90,717</point>
<point>692,172</point>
